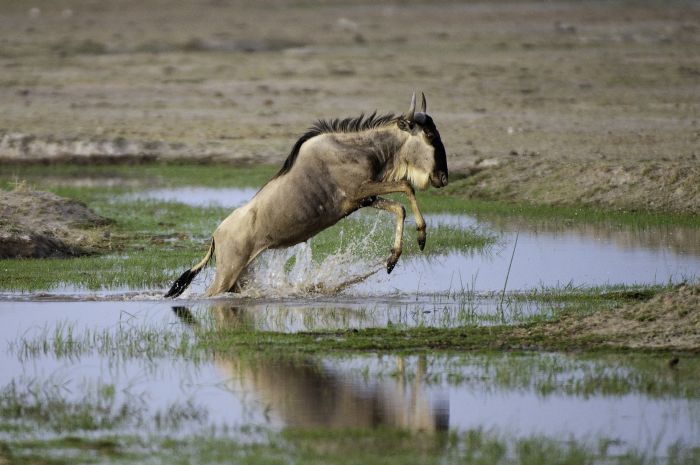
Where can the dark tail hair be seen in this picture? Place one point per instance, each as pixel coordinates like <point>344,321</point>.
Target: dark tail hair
<point>186,278</point>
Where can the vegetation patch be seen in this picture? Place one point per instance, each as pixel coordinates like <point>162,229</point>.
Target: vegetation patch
<point>150,242</point>
<point>30,405</point>
<point>585,323</point>
<point>343,446</point>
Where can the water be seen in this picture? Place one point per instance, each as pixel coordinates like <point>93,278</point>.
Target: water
<point>545,255</point>
<point>196,196</point>
<point>346,289</point>
<point>545,259</point>
<point>540,259</point>
<point>290,315</point>
<point>636,401</point>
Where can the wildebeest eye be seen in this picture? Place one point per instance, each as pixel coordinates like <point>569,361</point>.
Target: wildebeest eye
<point>429,135</point>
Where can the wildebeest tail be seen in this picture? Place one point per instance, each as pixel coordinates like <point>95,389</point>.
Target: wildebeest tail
<point>186,278</point>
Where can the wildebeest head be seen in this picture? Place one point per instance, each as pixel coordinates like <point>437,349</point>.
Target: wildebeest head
<point>424,154</point>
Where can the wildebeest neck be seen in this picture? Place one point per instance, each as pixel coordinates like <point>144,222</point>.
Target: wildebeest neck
<point>377,147</point>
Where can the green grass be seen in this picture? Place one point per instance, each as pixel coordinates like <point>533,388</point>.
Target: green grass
<point>151,242</point>
<point>30,406</point>
<point>344,446</point>
<point>205,334</point>
<point>151,175</point>
<point>374,233</point>
<point>590,374</point>
<point>553,216</point>
<point>148,249</point>
<point>56,177</point>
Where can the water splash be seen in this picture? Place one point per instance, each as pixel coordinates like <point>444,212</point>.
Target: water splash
<point>296,271</point>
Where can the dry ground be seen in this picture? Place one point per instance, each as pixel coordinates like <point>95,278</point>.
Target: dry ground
<point>548,102</point>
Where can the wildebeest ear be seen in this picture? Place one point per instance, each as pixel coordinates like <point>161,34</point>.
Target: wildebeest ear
<point>404,124</point>
<point>423,104</point>
<point>411,111</point>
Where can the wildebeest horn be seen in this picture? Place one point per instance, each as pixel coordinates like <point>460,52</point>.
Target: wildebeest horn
<point>412,110</point>
<point>423,104</point>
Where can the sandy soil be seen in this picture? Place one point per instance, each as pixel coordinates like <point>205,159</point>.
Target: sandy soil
<point>36,224</point>
<point>551,102</point>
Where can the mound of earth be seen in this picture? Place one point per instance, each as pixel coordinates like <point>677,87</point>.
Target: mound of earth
<point>670,320</point>
<point>644,185</point>
<point>36,224</point>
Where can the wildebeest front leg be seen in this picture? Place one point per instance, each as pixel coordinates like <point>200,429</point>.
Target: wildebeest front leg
<point>381,188</point>
<point>400,212</point>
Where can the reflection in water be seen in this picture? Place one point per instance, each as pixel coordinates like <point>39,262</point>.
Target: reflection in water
<point>635,400</point>
<point>436,311</point>
<point>303,392</point>
<point>197,196</point>
<point>551,254</point>
<point>681,240</point>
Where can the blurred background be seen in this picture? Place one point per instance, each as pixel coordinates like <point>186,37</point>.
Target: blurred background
<point>610,88</point>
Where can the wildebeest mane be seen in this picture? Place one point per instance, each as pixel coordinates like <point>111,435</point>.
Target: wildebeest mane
<point>337,125</point>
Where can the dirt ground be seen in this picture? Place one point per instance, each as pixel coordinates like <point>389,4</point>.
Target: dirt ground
<point>36,224</point>
<point>545,102</point>
<point>668,321</point>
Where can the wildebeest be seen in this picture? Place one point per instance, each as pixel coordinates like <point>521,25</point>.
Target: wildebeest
<point>336,168</point>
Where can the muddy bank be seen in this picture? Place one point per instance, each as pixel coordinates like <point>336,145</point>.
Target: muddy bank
<point>35,224</point>
<point>644,185</point>
<point>668,321</point>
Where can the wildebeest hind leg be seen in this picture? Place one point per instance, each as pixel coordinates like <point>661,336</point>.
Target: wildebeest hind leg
<point>231,259</point>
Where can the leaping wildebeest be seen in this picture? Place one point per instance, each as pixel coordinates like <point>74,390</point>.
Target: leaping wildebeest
<point>336,168</point>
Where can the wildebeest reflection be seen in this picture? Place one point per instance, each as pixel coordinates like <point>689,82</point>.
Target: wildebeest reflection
<point>306,392</point>
<point>334,169</point>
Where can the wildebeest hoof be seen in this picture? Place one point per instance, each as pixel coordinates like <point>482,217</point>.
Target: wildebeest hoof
<point>391,261</point>
<point>421,239</point>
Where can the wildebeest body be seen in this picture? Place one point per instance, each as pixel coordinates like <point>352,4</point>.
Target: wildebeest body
<point>333,170</point>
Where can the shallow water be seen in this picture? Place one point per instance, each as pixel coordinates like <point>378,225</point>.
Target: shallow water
<point>545,255</point>
<point>545,259</point>
<point>635,401</point>
<point>296,314</point>
<point>196,196</point>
